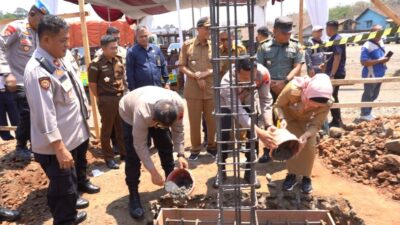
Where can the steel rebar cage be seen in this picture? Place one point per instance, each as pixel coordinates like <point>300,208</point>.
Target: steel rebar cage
<point>234,184</point>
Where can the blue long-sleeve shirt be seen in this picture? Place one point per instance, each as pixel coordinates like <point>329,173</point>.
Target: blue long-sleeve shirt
<point>145,67</point>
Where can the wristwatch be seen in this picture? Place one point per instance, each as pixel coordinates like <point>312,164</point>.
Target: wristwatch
<point>181,155</point>
<point>286,81</point>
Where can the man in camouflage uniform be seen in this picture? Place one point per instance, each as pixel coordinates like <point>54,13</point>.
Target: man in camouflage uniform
<point>282,57</point>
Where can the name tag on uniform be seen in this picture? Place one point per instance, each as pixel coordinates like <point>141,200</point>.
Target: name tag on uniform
<point>158,60</point>
<point>65,83</point>
<point>105,68</point>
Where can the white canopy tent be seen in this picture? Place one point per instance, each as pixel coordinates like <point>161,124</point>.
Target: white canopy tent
<point>137,9</point>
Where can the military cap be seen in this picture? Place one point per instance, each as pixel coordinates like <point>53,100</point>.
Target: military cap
<point>204,22</point>
<point>263,30</point>
<point>284,23</point>
<point>42,7</point>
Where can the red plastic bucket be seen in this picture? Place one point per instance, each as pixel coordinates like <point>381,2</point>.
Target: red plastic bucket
<point>181,178</point>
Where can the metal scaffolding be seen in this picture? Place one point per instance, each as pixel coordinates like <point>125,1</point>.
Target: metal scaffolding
<point>235,167</point>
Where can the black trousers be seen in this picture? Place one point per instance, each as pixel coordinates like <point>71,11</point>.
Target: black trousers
<point>62,192</point>
<point>8,108</point>
<point>226,123</point>
<point>336,115</point>
<point>23,132</point>
<point>162,141</point>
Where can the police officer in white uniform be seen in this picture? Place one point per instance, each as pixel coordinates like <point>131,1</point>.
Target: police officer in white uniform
<point>151,110</point>
<point>60,133</point>
<point>20,40</point>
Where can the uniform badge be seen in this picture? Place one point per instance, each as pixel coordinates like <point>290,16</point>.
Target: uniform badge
<point>106,79</point>
<point>26,48</point>
<point>44,83</point>
<point>59,72</point>
<point>9,30</point>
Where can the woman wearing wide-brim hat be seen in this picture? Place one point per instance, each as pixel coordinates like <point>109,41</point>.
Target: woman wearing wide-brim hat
<point>302,108</point>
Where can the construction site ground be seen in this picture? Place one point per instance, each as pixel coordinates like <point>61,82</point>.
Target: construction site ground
<point>23,186</point>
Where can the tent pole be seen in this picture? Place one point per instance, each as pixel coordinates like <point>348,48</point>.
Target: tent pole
<point>301,17</point>
<point>85,40</point>
<point>178,8</point>
<point>108,14</point>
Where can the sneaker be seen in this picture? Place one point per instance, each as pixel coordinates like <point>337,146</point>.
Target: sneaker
<point>367,117</point>
<point>194,156</point>
<point>306,186</point>
<point>289,183</point>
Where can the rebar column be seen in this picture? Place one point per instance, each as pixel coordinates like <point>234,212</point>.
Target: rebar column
<point>235,168</point>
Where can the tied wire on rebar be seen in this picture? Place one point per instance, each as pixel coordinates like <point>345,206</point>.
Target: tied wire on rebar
<point>234,185</point>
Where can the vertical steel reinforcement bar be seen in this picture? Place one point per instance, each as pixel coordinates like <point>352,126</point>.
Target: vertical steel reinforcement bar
<point>234,168</point>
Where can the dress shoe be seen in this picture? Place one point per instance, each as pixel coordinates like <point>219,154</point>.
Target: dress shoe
<point>112,164</point>
<point>89,188</point>
<point>80,217</point>
<point>81,203</point>
<point>135,207</point>
<point>247,178</point>
<point>9,215</point>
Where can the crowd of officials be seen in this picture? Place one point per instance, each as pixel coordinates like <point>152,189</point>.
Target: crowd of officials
<point>42,94</point>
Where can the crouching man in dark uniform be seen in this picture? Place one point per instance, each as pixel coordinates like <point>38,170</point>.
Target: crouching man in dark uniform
<point>60,133</point>
<point>151,110</point>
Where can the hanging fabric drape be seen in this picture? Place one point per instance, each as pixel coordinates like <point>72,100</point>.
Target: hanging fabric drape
<point>318,11</point>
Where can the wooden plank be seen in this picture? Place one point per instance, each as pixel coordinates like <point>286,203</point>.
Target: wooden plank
<point>336,82</point>
<point>365,104</point>
<point>72,15</point>
<point>87,61</point>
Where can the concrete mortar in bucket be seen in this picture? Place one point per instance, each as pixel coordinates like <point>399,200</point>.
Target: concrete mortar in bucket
<point>180,183</point>
<point>288,145</point>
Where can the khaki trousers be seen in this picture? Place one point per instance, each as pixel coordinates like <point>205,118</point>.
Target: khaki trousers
<point>195,109</point>
<point>108,108</point>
